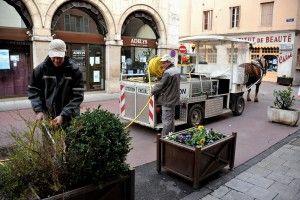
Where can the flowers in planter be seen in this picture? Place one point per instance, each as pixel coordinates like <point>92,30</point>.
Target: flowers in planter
<point>284,99</point>
<point>196,137</point>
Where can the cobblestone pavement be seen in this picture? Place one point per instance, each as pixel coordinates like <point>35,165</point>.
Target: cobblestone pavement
<point>275,177</point>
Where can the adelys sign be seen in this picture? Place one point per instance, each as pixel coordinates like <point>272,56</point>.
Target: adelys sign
<point>139,42</point>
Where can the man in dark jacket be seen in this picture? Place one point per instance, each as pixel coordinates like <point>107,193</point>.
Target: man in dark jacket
<point>56,87</point>
<point>167,93</point>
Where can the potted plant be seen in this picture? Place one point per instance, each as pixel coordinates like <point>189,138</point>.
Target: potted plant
<point>195,153</point>
<point>282,111</point>
<point>85,161</point>
<point>284,80</point>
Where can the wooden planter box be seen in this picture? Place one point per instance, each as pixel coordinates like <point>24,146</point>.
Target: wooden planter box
<point>119,189</point>
<point>195,164</point>
<point>285,81</point>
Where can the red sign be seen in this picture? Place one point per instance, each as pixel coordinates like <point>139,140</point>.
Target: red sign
<point>182,49</point>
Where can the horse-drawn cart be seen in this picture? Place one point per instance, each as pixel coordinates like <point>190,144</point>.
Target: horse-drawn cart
<point>214,86</point>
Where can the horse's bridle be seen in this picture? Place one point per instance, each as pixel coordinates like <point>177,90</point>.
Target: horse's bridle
<point>264,69</point>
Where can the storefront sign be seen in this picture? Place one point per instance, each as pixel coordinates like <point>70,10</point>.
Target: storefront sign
<point>182,49</point>
<point>270,38</point>
<point>284,57</point>
<point>139,42</point>
<point>4,59</point>
<point>286,47</point>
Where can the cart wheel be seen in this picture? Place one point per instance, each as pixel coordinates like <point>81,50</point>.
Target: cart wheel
<point>239,107</point>
<point>196,116</point>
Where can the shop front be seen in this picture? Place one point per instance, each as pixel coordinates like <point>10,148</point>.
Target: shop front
<point>139,36</point>
<point>15,49</point>
<point>82,27</point>
<point>136,52</point>
<point>278,49</point>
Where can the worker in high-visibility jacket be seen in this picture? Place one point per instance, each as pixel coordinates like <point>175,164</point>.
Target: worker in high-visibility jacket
<point>167,94</point>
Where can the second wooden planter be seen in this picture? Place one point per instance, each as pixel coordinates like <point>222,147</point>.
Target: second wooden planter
<point>195,164</point>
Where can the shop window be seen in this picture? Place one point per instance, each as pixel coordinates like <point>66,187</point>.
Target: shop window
<point>234,56</point>
<point>75,20</point>
<point>207,22</point>
<point>76,23</point>
<point>211,55</point>
<point>267,13</point>
<point>234,16</point>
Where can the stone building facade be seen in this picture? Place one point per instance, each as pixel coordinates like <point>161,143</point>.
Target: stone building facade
<point>107,36</point>
<point>272,25</point>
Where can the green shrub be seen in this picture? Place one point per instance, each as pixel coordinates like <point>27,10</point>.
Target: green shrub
<point>91,151</point>
<point>284,99</point>
<point>97,147</point>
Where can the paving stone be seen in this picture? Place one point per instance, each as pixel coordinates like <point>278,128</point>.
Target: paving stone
<point>283,190</point>
<point>258,170</point>
<point>295,142</point>
<point>297,148</point>
<point>261,193</point>
<point>280,169</point>
<point>290,156</point>
<point>239,185</point>
<point>220,192</point>
<point>271,161</point>
<point>292,164</point>
<point>235,195</point>
<point>293,173</point>
<point>198,194</point>
<point>284,179</point>
<point>287,197</point>
<point>295,184</point>
<point>255,179</point>
<point>210,197</point>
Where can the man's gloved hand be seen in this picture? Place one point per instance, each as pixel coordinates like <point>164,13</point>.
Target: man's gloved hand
<point>40,116</point>
<point>57,121</point>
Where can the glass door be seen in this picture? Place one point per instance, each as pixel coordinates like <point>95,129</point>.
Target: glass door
<point>78,53</point>
<point>96,67</point>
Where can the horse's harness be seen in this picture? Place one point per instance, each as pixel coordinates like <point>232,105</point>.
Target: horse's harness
<point>260,65</point>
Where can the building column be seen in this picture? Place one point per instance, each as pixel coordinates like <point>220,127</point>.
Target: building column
<point>112,65</point>
<point>40,41</point>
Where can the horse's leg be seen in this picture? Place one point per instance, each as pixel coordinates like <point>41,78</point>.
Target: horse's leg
<point>256,92</point>
<point>248,95</point>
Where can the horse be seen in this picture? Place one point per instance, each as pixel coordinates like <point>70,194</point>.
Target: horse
<point>254,72</point>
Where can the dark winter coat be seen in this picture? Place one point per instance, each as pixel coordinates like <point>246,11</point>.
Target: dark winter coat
<point>56,90</point>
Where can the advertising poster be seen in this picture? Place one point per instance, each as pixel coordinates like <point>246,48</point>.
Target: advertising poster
<point>96,76</point>
<point>4,59</point>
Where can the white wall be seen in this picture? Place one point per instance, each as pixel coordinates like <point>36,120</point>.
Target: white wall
<point>9,17</point>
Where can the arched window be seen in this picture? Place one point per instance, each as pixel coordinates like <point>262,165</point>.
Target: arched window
<point>139,35</point>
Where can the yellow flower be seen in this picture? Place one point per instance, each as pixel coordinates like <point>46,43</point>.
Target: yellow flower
<point>201,142</point>
<point>200,127</point>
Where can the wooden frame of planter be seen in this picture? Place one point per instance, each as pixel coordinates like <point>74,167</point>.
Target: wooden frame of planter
<point>117,189</point>
<point>195,164</point>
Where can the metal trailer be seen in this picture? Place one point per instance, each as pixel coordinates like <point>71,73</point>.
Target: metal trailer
<point>201,96</point>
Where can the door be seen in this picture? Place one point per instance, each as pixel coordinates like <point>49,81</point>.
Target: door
<point>96,67</point>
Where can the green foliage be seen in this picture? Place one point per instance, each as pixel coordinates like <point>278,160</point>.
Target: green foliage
<point>97,147</point>
<point>284,99</point>
<point>31,165</point>
<point>92,151</point>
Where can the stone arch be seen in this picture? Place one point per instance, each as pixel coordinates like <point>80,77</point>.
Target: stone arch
<point>148,9</point>
<point>28,11</point>
<point>104,11</point>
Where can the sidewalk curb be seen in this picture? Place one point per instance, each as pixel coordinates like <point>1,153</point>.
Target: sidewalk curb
<point>216,183</point>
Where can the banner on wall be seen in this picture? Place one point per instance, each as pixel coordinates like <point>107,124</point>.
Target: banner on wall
<point>4,59</point>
